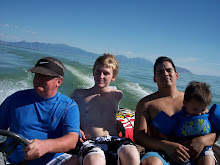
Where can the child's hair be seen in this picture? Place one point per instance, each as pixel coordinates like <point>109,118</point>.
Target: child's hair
<point>108,60</point>
<point>199,91</point>
<point>160,60</point>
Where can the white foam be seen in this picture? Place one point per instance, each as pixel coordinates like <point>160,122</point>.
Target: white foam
<point>87,80</point>
<point>10,86</point>
<point>135,89</point>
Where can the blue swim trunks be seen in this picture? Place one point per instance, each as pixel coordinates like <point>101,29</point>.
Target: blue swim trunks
<point>157,154</point>
<point>208,151</point>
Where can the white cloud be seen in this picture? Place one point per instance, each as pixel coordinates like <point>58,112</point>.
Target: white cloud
<point>15,28</point>
<point>4,25</point>
<point>186,60</point>
<point>218,64</point>
<point>129,53</point>
<point>9,37</point>
<point>9,26</point>
<point>29,31</point>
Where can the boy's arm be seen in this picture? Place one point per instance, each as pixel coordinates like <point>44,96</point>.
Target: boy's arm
<point>82,137</point>
<point>74,95</point>
<point>197,144</point>
<point>120,128</point>
<point>119,95</point>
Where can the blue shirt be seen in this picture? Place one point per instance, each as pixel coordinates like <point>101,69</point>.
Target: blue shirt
<point>34,117</point>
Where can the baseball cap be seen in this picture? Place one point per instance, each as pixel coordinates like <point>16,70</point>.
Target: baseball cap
<point>46,66</point>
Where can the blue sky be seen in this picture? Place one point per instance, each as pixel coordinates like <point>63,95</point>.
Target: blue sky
<point>188,31</point>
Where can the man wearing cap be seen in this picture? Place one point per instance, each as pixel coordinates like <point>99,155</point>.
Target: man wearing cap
<point>47,118</point>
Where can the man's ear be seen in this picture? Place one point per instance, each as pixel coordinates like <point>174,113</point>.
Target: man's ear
<point>177,75</point>
<point>59,81</point>
<point>184,103</point>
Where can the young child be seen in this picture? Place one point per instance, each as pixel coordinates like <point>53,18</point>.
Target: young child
<point>98,107</point>
<point>192,120</point>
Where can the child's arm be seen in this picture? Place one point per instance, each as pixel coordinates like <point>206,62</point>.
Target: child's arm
<point>197,144</point>
<point>214,117</point>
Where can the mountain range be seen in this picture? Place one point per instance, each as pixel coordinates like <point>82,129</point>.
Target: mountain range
<point>63,48</point>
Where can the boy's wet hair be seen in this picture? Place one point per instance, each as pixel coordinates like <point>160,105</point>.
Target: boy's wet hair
<point>160,60</point>
<point>108,60</point>
<point>199,91</point>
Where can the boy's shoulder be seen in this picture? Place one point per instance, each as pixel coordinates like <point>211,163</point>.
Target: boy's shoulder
<point>84,93</point>
<point>78,94</point>
<point>117,93</point>
<point>81,92</point>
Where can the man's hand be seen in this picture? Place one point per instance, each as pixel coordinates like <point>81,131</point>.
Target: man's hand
<point>35,149</point>
<point>177,152</point>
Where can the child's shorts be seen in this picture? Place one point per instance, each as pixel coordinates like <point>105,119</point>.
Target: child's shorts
<point>108,147</point>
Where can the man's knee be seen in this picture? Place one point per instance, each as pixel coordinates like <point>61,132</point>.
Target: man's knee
<point>94,159</point>
<point>152,161</point>
<point>128,150</point>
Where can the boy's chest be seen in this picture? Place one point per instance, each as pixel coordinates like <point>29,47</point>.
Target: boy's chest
<point>99,105</point>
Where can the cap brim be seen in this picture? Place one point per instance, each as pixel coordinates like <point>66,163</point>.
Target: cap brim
<point>44,71</point>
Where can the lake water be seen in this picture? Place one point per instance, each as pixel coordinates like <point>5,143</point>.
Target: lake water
<point>135,81</point>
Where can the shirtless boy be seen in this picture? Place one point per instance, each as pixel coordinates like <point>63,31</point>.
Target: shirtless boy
<point>98,107</point>
<point>169,100</point>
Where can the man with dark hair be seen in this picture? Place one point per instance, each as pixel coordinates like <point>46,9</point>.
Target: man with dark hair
<point>169,100</point>
<point>47,118</point>
<point>161,60</point>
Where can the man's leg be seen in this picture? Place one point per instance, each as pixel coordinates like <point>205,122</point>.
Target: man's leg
<point>91,154</point>
<point>152,157</point>
<point>129,155</point>
<point>94,159</point>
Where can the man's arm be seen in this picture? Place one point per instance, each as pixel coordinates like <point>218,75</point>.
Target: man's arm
<point>70,131</point>
<point>174,150</point>
<point>141,133</point>
<point>38,148</point>
<point>4,108</point>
